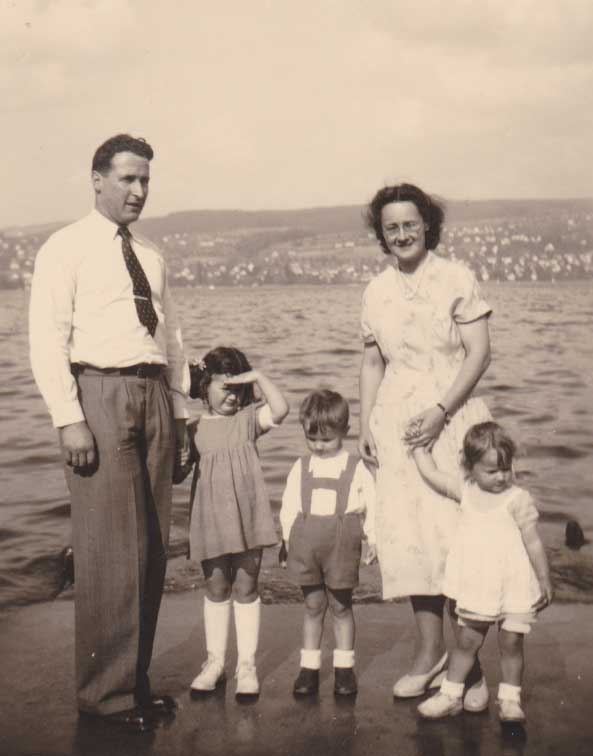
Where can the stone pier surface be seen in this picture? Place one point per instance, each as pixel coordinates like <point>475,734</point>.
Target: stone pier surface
<point>38,714</point>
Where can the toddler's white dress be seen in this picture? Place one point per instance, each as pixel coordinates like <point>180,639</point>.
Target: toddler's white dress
<point>488,571</point>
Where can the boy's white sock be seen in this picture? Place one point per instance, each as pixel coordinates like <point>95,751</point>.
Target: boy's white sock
<point>343,657</point>
<point>311,658</point>
<point>216,627</point>
<point>247,620</point>
<point>507,692</point>
<point>452,689</point>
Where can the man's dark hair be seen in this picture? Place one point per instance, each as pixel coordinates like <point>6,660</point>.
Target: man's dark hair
<point>120,143</point>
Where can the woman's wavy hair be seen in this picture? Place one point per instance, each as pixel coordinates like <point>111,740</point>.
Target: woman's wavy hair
<point>482,437</point>
<point>220,361</point>
<point>431,210</point>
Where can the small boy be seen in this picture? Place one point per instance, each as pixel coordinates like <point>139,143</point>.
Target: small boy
<point>327,496</point>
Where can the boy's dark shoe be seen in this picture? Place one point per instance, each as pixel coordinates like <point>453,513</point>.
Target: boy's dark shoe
<point>307,683</point>
<point>344,681</point>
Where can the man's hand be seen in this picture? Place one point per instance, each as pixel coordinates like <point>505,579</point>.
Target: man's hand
<point>181,441</point>
<point>77,444</point>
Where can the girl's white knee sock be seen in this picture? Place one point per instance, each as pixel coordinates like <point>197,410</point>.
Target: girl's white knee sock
<point>216,626</point>
<point>311,658</point>
<point>247,620</point>
<point>507,692</point>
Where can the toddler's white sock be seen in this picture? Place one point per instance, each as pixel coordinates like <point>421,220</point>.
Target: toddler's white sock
<point>452,689</point>
<point>508,692</point>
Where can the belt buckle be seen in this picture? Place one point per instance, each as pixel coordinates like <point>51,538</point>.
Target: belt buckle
<point>142,371</point>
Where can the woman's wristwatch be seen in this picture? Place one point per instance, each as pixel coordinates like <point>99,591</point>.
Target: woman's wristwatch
<point>445,413</point>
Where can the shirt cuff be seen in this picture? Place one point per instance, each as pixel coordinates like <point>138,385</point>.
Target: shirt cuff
<point>179,406</point>
<point>67,414</point>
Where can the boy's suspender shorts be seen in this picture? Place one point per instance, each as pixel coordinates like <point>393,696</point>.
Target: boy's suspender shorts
<point>326,549</point>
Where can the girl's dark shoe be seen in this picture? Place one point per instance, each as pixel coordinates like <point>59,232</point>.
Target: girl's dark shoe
<point>344,681</point>
<point>307,683</point>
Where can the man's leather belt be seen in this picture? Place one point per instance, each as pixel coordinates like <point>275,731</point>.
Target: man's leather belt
<point>142,370</point>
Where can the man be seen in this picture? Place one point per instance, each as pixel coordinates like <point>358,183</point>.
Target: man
<point>107,356</point>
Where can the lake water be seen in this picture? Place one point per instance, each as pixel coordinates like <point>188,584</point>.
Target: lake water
<point>539,385</point>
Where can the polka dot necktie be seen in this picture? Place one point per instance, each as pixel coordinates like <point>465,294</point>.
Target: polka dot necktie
<point>142,294</point>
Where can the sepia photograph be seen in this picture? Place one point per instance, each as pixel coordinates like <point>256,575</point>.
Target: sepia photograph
<point>297,403</point>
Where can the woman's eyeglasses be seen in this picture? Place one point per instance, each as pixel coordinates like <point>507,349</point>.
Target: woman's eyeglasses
<point>408,227</point>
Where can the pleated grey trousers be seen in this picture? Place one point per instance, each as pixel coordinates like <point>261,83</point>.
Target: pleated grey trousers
<point>120,529</point>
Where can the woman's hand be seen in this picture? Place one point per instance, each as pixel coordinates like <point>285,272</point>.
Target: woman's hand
<point>367,448</point>
<point>371,555</point>
<point>424,429</point>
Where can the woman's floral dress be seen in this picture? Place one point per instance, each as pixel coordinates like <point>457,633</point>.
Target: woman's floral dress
<point>416,331</point>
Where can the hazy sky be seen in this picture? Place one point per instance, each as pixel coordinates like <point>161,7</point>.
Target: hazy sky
<point>293,103</point>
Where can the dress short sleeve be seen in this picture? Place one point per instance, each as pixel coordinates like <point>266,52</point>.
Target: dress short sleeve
<point>523,509</point>
<point>469,303</point>
<point>366,331</point>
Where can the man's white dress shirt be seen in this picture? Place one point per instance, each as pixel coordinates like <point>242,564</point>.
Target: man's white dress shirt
<point>82,309</point>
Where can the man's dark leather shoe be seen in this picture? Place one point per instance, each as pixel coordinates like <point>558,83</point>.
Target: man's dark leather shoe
<point>133,720</point>
<point>307,683</point>
<point>344,681</point>
<point>160,705</point>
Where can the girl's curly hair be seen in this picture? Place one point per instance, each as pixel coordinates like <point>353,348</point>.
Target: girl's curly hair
<point>220,361</point>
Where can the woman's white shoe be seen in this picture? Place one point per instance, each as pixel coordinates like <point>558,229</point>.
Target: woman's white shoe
<point>410,686</point>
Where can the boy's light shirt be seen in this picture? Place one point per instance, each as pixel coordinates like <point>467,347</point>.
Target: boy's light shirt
<point>361,498</point>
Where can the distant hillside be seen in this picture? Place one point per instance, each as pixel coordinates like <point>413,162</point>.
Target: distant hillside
<point>322,220</point>
<point>503,240</point>
<point>346,218</point>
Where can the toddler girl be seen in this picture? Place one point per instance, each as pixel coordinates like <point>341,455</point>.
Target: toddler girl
<point>496,569</point>
<point>327,494</point>
<point>230,520</point>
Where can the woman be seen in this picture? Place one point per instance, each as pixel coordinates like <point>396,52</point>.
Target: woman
<point>426,345</point>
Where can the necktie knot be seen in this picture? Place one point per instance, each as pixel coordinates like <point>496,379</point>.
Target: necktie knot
<point>124,232</point>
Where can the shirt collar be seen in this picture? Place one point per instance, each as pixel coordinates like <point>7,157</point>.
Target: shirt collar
<point>105,226</point>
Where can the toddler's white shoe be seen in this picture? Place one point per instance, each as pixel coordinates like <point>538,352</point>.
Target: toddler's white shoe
<point>211,675</point>
<point>510,711</point>
<point>247,682</point>
<point>440,705</point>
<point>476,696</point>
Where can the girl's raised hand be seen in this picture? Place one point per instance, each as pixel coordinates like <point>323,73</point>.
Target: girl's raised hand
<point>251,376</point>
